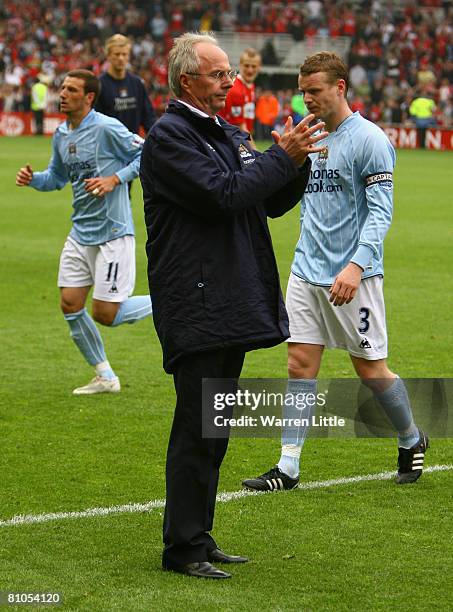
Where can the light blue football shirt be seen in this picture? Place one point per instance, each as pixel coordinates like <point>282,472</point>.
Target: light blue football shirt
<point>347,206</point>
<point>99,146</point>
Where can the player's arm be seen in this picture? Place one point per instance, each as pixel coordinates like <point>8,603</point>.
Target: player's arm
<point>123,145</point>
<point>378,160</point>
<point>377,177</point>
<point>55,177</point>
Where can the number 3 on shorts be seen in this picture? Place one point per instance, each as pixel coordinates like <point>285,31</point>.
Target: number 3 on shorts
<point>364,323</point>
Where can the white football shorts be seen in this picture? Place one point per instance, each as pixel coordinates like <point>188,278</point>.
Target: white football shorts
<point>110,267</point>
<point>358,327</point>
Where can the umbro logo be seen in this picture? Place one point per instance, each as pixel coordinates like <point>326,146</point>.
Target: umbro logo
<point>365,344</point>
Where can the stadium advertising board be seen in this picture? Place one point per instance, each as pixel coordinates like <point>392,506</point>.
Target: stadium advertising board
<point>409,138</point>
<point>22,124</point>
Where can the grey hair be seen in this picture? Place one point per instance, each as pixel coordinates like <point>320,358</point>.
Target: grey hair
<point>183,57</point>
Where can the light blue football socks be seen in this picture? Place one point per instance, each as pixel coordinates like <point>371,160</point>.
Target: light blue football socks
<point>88,339</point>
<point>298,391</point>
<point>86,336</point>
<point>396,405</point>
<point>133,309</point>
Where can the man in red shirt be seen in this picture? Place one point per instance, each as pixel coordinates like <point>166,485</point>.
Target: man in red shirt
<point>240,102</point>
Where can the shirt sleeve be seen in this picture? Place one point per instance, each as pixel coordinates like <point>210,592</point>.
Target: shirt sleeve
<point>55,177</point>
<point>376,174</point>
<point>125,146</point>
<point>189,178</point>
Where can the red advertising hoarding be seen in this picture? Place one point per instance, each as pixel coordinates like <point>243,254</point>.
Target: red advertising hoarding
<point>409,138</point>
<point>22,124</point>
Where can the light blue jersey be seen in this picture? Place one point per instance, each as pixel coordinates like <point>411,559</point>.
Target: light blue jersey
<point>99,146</point>
<point>347,206</point>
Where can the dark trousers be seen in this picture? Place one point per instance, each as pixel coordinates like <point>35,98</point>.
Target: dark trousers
<point>39,121</point>
<point>193,463</point>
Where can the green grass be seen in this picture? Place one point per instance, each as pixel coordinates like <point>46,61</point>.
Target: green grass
<point>368,546</point>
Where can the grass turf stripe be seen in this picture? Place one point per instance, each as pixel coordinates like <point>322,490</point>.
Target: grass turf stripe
<point>28,519</point>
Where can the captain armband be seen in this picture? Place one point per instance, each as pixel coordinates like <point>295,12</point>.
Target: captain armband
<point>383,179</point>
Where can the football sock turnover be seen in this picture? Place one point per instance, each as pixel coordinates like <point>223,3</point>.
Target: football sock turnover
<point>133,309</point>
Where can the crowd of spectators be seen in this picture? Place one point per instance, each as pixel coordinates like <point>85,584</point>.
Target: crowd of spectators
<point>399,50</point>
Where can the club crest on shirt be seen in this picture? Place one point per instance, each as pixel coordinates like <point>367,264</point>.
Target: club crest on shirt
<point>123,92</point>
<point>323,156</point>
<point>72,149</point>
<point>245,154</point>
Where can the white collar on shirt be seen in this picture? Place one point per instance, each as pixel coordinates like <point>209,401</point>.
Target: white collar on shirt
<point>197,111</point>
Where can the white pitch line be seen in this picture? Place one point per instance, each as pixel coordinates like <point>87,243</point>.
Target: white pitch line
<point>28,519</point>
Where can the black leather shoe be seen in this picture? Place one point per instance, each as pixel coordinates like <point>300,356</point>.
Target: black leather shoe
<point>201,569</point>
<point>218,556</point>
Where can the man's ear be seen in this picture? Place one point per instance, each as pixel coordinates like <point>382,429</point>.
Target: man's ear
<point>341,84</point>
<point>184,82</point>
<point>90,97</point>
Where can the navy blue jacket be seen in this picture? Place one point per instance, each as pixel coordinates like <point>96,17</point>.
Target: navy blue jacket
<point>211,267</point>
<point>127,100</point>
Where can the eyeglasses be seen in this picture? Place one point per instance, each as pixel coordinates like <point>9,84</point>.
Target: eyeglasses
<point>217,76</point>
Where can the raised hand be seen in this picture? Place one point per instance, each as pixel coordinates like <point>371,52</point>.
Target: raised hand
<point>299,141</point>
<point>287,128</point>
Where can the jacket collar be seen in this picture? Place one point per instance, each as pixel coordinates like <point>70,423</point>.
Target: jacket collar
<point>221,128</point>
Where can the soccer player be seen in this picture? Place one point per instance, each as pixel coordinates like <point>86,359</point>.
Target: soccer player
<point>335,290</point>
<point>123,94</point>
<point>240,102</point>
<point>98,155</point>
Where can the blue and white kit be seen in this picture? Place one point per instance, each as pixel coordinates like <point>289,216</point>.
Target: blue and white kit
<point>99,146</point>
<point>346,211</point>
<point>347,205</point>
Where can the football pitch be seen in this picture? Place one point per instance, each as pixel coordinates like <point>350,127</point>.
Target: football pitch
<point>348,539</point>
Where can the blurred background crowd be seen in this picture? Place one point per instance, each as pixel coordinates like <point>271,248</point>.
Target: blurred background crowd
<point>399,51</point>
